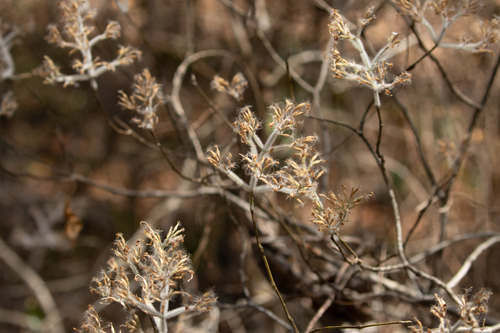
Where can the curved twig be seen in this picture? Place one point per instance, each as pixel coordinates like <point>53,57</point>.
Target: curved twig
<point>53,318</point>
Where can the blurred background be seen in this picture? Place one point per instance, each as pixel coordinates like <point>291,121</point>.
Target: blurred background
<point>75,170</point>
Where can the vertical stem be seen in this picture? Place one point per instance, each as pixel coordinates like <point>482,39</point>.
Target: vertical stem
<point>398,225</point>
<point>164,307</point>
<point>266,264</point>
<point>379,141</point>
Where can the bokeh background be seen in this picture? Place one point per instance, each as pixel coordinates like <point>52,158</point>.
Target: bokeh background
<point>58,132</point>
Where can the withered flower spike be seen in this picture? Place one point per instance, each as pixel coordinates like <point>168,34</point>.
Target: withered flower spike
<point>339,206</point>
<point>234,89</point>
<point>147,96</point>
<point>78,35</point>
<point>158,263</point>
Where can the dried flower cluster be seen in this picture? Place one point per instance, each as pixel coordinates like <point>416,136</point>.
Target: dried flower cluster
<point>299,175</point>
<point>330,218</point>
<point>234,89</point>
<point>474,308</point>
<point>145,100</point>
<point>449,12</point>
<point>370,72</point>
<point>79,36</point>
<point>147,279</point>
<point>93,324</point>
<point>445,8</point>
<point>472,312</point>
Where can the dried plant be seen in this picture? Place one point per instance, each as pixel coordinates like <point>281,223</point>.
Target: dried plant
<point>471,315</point>
<point>145,100</point>
<point>329,219</point>
<point>450,12</point>
<point>147,276</point>
<point>262,185</point>
<point>92,322</point>
<point>371,72</point>
<point>234,89</point>
<point>79,35</point>
<point>299,175</point>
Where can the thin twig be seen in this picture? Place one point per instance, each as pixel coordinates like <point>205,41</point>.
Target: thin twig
<point>209,102</point>
<point>282,63</point>
<point>461,96</point>
<point>169,161</point>
<point>470,260</point>
<point>53,321</point>
<point>359,327</point>
<point>457,163</point>
<point>423,159</point>
<point>319,313</point>
<point>268,269</point>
